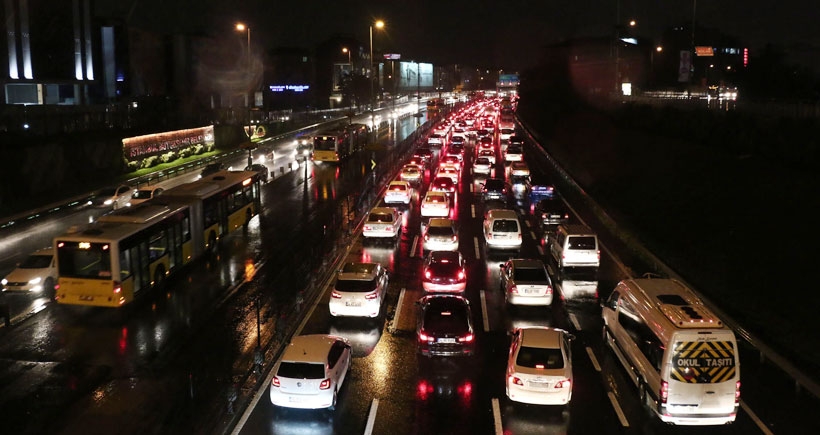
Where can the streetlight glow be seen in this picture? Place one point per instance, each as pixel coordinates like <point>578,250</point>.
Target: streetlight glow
<point>379,24</point>
<point>659,49</point>
<point>345,50</point>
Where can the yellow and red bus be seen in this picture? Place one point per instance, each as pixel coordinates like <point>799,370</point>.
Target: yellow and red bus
<point>124,254</point>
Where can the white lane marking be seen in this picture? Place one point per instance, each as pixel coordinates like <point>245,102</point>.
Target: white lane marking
<point>593,359</point>
<point>371,417</point>
<point>540,250</point>
<point>398,310</point>
<point>414,246</point>
<point>532,234</point>
<point>528,224</point>
<point>499,430</point>
<point>484,311</point>
<point>472,209</point>
<point>618,409</point>
<point>475,244</point>
<point>471,188</point>
<point>755,419</point>
<point>574,321</point>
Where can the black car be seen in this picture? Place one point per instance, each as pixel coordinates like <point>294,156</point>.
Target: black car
<point>495,189</point>
<point>424,153</point>
<point>211,168</point>
<point>445,326</point>
<point>261,169</point>
<point>551,212</point>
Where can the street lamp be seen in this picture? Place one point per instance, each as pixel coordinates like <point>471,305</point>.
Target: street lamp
<point>379,24</point>
<point>243,28</point>
<point>345,50</point>
<point>658,49</point>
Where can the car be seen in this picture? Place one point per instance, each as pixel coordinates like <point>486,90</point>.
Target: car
<point>458,137</point>
<point>260,169</point>
<point>311,372</point>
<point>443,184</point>
<point>525,282</point>
<point>435,204</point>
<point>411,174</point>
<point>482,166</point>
<point>514,153</point>
<point>488,153</point>
<point>444,271</point>
<point>444,326</point>
<point>483,133</point>
<point>551,212</point>
<point>398,192</point>
<point>440,234</point>
<point>449,171</point>
<point>418,161</point>
<point>37,274</point>
<point>495,189</point>
<point>211,168</point>
<point>485,143</point>
<point>115,197</point>
<point>359,291</point>
<point>442,129</point>
<point>450,161</point>
<point>539,366</point>
<point>424,153</point>
<point>539,192</point>
<point>502,230</point>
<point>456,150</point>
<point>145,193</point>
<point>519,169</point>
<point>435,140</point>
<point>574,245</point>
<point>382,222</point>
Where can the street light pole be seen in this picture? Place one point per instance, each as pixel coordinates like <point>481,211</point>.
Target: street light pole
<point>379,24</point>
<point>243,28</point>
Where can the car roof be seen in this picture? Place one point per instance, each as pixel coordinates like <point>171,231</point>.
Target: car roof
<point>310,348</point>
<point>437,193</point>
<point>502,213</point>
<point>543,337</point>
<point>354,271</point>
<point>440,222</point>
<point>578,230</point>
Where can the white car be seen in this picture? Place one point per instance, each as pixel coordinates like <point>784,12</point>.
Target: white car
<point>311,372</point>
<point>36,274</point>
<point>449,171</point>
<point>435,204</point>
<point>539,367</point>
<point>519,169</point>
<point>398,192</point>
<point>440,235</point>
<point>116,197</point>
<point>359,291</point>
<point>435,140</point>
<point>411,173</point>
<point>382,222</point>
<point>482,166</point>
<point>145,193</point>
<point>526,282</point>
<point>489,154</point>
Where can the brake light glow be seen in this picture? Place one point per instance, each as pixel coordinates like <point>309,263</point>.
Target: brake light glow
<point>368,228</point>
<point>664,393</point>
<point>427,274</point>
<point>325,384</point>
<point>466,339</point>
<point>737,392</point>
<point>514,290</point>
<point>335,295</point>
<point>424,337</point>
<point>117,286</point>
<point>371,296</point>
<point>461,274</point>
<point>275,382</point>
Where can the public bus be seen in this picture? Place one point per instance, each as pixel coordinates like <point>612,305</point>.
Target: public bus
<point>113,261</point>
<point>435,104</point>
<point>338,144</point>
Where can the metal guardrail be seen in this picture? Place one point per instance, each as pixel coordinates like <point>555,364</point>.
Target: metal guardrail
<point>800,378</point>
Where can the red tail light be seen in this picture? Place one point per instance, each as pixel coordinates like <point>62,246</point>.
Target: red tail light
<point>368,228</point>
<point>325,384</point>
<point>371,296</point>
<point>461,274</point>
<point>599,255</point>
<point>564,383</point>
<point>514,290</point>
<point>427,274</point>
<point>389,228</point>
<point>426,237</point>
<point>424,337</point>
<point>335,295</point>
<point>664,392</point>
<point>737,392</point>
<point>275,382</point>
<point>549,290</point>
<point>517,381</point>
<point>117,287</point>
<point>466,339</point>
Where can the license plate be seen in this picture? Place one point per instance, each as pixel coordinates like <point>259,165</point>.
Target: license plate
<point>86,298</point>
<point>353,304</point>
<point>529,291</point>
<point>446,340</point>
<point>536,384</point>
<point>294,399</point>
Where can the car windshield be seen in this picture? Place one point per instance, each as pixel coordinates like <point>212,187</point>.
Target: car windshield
<point>380,217</point>
<point>36,262</point>
<point>531,274</point>
<point>142,194</point>
<point>356,285</point>
<point>505,226</point>
<point>539,357</point>
<point>398,187</point>
<point>301,370</point>
<point>482,161</point>
<point>582,242</point>
<point>440,231</point>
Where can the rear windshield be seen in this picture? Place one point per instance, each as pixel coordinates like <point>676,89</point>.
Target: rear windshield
<point>539,357</point>
<point>440,231</point>
<point>380,217</point>
<point>398,187</point>
<point>355,285</point>
<point>530,274</point>
<point>582,242</point>
<point>482,161</point>
<point>300,370</point>
<point>505,226</point>
<point>444,269</point>
<point>36,262</point>
<point>445,321</point>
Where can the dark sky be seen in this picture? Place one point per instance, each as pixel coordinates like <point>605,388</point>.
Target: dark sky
<point>502,33</point>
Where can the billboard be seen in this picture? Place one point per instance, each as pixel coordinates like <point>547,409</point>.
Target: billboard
<point>414,75</point>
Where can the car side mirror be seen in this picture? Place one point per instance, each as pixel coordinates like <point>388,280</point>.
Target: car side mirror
<point>570,337</point>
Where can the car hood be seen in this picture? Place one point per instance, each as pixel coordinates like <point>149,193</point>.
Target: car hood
<point>24,275</point>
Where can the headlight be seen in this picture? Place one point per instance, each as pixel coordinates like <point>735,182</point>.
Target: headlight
<point>4,281</point>
<point>35,281</point>
<point>108,201</point>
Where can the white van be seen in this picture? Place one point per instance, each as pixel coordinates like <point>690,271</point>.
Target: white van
<point>683,359</point>
<point>574,245</point>
<point>505,130</point>
<point>502,229</point>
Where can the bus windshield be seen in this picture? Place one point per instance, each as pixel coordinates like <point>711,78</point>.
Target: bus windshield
<point>84,260</point>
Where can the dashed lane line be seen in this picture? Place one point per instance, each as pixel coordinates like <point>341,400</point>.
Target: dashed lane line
<point>484,311</point>
<point>618,410</point>
<point>499,430</point>
<point>593,359</point>
<point>371,417</point>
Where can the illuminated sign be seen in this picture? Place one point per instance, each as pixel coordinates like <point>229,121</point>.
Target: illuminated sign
<point>151,144</point>
<point>392,56</point>
<point>704,51</point>
<point>294,88</point>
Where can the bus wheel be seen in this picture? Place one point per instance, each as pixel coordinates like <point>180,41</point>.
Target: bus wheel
<point>159,278</point>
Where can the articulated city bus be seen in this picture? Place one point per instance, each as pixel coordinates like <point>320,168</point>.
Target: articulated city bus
<point>112,261</point>
<point>338,144</point>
